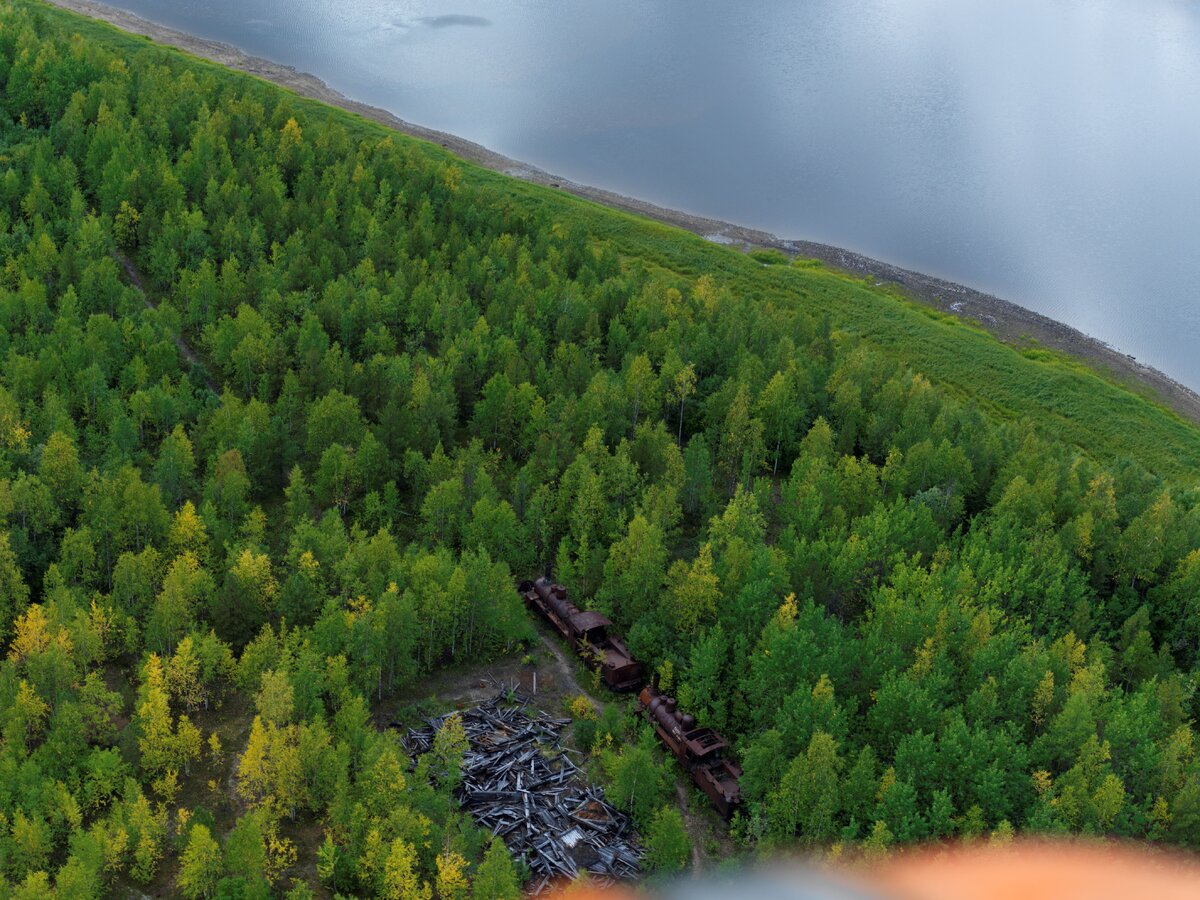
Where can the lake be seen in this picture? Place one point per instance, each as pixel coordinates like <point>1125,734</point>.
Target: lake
<point>1046,151</point>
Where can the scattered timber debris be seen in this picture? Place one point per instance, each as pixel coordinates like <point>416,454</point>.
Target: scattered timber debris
<point>519,782</point>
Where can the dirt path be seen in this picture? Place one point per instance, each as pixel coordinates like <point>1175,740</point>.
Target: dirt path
<point>1007,321</point>
<point>135,279</point>
<point>562,668</point>
<point>699,823</point>
<point>693,827</point>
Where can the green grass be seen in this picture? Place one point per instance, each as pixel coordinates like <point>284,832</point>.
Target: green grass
<point>1065,398</point>
<point>769,256</point>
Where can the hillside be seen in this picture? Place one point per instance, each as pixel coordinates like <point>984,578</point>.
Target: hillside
<point>290,402</point>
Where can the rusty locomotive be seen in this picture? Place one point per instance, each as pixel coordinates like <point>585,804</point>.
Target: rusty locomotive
<point>700,750</point>
<point>587,632</point>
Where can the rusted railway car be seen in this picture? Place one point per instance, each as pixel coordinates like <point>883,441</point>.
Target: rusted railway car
<point>587,633</point>
<point>700,750</point>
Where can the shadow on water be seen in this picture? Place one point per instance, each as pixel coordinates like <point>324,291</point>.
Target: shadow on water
<point>451,20</point>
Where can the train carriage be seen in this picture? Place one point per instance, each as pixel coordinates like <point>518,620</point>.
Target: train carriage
<point>587,632</point>
<point>699,749</point>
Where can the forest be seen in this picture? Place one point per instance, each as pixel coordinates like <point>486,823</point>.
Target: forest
<point>922,608</point>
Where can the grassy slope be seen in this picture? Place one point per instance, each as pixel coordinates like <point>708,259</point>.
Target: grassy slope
<point>1064,397</point>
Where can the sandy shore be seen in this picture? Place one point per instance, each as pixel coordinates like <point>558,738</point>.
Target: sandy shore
<point>1007,321</point>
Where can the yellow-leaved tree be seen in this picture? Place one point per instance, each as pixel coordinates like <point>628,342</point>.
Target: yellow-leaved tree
<point>400,878</point>
<point>451,875</point>
<point>693,591</point>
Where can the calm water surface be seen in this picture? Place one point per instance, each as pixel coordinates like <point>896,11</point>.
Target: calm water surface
<point>1047,151</point>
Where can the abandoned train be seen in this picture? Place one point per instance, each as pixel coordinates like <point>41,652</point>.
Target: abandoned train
<point>700,750</point>
<point>587,632</point>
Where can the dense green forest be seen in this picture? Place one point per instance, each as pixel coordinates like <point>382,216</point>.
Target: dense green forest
<point>931,586</point>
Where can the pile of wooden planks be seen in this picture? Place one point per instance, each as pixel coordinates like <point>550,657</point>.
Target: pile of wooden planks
<point>519,782</point>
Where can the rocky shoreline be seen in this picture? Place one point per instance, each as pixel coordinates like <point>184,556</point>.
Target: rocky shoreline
<point>1007,321</point>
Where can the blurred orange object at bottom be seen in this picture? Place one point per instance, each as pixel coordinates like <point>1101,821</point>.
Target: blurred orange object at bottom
<point>1038,870</point>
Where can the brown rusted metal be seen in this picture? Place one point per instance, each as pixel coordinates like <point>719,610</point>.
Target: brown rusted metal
<point>586,631</point>
<point>700,750</point>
